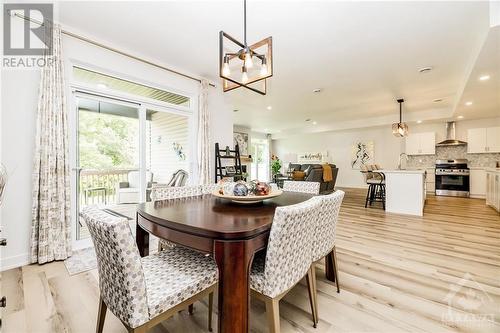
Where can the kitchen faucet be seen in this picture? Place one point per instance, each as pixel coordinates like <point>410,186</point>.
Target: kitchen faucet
<point>399,161</point>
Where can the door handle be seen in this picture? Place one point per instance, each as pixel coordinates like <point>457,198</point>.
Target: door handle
<point>3,302</point>
<point>3,241</point>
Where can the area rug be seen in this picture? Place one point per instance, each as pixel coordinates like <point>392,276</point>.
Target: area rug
<point>81,261</point>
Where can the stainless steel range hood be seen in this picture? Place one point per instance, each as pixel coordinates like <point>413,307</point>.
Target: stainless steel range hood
<point>450,136</point>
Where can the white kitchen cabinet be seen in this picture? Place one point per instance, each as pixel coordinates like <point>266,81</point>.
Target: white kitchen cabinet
<point>477,183</point>
<point>421,143</point>
<point>483,140</point>
<point>493,189</point>
<point>493,139</point>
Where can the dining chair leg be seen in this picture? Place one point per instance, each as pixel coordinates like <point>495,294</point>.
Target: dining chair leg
<point>273,315</point>
<point>335,267</point>
<point>191,309</point>
<point>367,195</point>
<point>312,295</point>
<point>101,315</point>
<point>210,310</point>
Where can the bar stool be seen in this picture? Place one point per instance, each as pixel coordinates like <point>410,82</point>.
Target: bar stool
<point>376,185</point>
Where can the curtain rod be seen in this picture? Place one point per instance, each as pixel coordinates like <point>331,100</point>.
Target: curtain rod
<point>90,41</point>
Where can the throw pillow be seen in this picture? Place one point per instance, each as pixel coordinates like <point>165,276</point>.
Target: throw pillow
<point>298,175</point>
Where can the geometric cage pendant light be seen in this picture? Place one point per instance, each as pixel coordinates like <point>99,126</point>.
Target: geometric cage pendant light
<point>400,129</point>
<point>243,65</point>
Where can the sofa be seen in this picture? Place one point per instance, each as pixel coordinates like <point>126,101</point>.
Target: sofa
<point>128,192</point>
<point>314,173</point>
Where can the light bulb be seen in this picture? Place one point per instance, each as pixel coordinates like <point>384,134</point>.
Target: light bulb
<point>225,69</point>
<point>248,59</point>
<point>263,70</point>
<point>244,77</point>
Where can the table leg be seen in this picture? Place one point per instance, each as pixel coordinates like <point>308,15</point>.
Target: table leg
<point>142,240</point>
<point>329,268</point>
<point>233,260</point>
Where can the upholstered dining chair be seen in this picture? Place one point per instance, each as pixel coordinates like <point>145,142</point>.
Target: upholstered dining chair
<point>165,192</point>
<point>324,235</point>
<point>301,186</point>
<point>209,188</point>
<point>287,260</point>
<point>142,292</point>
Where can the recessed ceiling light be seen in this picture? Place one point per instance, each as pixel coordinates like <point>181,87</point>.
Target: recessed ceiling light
<point>425,69</point>
<point>269,107</point>
<point>266,129</point>
<point>102,86</point>
<point>469,103</point>
<point>308,119</point>
<point>437,100</point>
<point>484,77</point>
<point>315,123</point>
<point>419,121</point>
<point>460,117</point>
<point>317,90</point>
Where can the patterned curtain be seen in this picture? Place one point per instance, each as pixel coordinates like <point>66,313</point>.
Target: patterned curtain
<point>51,224</point>
<point>204,136</point>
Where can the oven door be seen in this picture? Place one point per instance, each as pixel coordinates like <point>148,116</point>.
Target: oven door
<point>453,185</point>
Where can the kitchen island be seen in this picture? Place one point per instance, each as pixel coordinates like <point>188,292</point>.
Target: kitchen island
<point>405,191</point>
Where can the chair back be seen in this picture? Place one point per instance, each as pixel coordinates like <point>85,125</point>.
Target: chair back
<point>179,178</point>
<point>209,188</point>
<point>324,232</point>
<point>289,248</point>
<point>121,279</point>
<point>133,178</point>
<point>165,192</point>
<point>300,186</point>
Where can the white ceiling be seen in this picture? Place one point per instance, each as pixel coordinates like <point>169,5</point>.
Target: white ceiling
<point>363,55</point>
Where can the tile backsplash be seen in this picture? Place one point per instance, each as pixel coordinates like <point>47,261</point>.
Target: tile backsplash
<point>487,160</point>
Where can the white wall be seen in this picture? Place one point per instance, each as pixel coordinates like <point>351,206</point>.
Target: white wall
<point>339,145</point>
<point>19,94</point>
<point>386,151</point>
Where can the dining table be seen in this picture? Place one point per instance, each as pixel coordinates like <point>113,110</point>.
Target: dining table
<point>230,232</point>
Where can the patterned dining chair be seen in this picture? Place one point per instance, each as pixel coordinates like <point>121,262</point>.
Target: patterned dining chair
<point>300,186</point>
<point>287,260</point>
<point>209,188</point>
<point>165,192</point>
<point>142,292</point>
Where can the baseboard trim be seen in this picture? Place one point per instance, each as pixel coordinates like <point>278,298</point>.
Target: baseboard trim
<point>14,262</point>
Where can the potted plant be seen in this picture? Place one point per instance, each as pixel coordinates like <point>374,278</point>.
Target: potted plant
<point>275,165</point>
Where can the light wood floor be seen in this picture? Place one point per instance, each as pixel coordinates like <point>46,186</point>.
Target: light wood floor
<point>439,273</point>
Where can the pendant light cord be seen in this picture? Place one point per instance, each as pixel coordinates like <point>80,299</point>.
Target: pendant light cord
<point>245,22</point>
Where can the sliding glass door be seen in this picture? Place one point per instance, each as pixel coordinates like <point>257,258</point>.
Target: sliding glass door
<point>108,156</point>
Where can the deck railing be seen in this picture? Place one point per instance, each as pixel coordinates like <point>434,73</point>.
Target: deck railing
<point>99,186</point>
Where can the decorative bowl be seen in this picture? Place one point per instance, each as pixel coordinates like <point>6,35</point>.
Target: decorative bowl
<point>249,199</point>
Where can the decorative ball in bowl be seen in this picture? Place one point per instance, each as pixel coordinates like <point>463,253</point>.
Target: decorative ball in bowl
<point>247,192</point>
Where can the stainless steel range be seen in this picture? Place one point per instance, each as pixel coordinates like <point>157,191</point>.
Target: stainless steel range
<point>452,178</point>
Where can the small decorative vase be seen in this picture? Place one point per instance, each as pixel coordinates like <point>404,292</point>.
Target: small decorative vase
<point>262,188</point>
<point>240,189</point>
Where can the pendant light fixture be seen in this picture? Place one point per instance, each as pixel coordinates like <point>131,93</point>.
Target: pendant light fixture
<point>243,65</point>
<point>400,129</point>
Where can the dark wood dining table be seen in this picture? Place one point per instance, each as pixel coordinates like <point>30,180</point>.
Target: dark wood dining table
<point>231,232</point>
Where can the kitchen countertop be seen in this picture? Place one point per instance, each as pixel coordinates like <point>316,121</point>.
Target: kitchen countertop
<point>492,170</point>
<point>402,171</point>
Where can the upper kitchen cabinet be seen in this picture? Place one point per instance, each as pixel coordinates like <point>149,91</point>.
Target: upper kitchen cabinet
<point>421,143</point>
<point>483,140</point>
